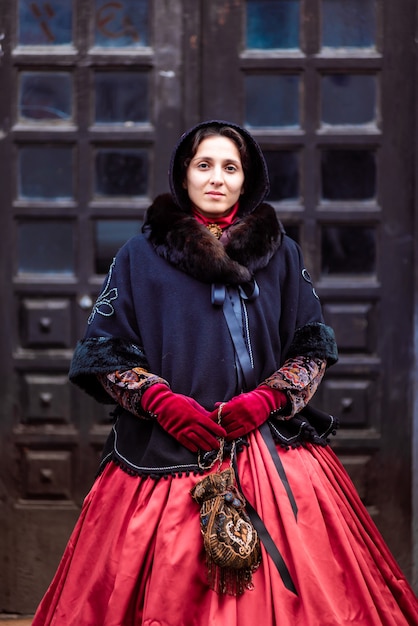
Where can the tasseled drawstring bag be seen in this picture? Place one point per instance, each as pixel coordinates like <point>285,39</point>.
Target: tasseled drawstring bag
<point>231,542</point>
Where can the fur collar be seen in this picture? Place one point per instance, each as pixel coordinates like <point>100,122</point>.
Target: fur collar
<point>188,245</point>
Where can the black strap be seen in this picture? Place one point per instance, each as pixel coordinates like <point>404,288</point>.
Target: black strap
<point>269,441</point>
<point>231,310</point>
<point>268,542</point>
<point>271,548</point>
<point>231,302</point>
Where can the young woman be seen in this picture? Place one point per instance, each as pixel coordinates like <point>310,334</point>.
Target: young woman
<point>208,335</point>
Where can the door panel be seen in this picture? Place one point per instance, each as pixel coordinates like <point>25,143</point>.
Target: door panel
<point>96,96</point>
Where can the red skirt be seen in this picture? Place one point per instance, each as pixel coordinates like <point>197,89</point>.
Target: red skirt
<point>136,555</point>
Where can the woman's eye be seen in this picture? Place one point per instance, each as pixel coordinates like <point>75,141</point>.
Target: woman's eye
<point>203,166</point>
<point>231,168</point>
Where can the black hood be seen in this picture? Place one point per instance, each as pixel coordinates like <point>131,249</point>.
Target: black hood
<point>256,180</point>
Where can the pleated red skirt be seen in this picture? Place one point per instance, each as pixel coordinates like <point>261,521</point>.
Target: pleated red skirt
<point>136,555</point>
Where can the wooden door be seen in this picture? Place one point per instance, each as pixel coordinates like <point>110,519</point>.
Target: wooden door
<point>326,87</point>
<point>93,97</point>
<point>91,107</point>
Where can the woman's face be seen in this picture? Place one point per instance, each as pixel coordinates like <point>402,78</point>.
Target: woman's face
<point>215,177</point>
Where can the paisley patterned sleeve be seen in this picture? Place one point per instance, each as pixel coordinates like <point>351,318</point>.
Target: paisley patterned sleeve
<point>299,378</point>
<point>126,387</point>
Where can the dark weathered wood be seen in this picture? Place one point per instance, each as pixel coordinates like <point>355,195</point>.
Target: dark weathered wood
<point>414,372</point>
<point>390,479</point>
<point>220,86</point>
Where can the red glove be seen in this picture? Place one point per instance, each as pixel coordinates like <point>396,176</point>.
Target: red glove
<point>182,417</point>
<point>247,411</point>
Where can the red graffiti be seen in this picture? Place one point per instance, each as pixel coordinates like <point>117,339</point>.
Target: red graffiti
<point>106,22</point>
<point>43,13</point>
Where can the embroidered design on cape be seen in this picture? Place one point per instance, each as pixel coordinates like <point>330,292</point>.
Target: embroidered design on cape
<point>103,305</point>
<point>306,276</point>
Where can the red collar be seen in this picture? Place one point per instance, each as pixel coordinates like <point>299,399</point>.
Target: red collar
<point>223,221</point>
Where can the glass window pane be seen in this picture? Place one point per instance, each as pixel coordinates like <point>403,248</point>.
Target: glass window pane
<point>348,250</point>
<point>45,172</point>
<point>348,174</point>
<point>272,101</point>
<point>45,23</point>
<point>110,235</point>
<point>348,99</point>
<point>121,24</point>
<point>46,247</point>
<point>121,97</point>
<point>348,23</point>
<point>283,167</point>
<point>121,172</point>
<point>45,96</point>
<point>273,24</point>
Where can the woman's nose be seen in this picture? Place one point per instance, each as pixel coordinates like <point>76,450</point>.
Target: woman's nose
<point>216,176</point>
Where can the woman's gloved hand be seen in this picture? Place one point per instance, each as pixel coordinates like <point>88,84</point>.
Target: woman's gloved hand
<point>245,412</point>
<point>184,418</point>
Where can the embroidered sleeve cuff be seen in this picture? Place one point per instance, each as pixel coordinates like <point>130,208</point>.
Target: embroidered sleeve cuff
<point>127,387</point>
<point>299,378</point>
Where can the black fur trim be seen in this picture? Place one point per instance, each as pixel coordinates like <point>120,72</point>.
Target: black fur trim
<point>253,240</point>
<point>188,245</point>
<point>314,340</point>
<point>101,355</point>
